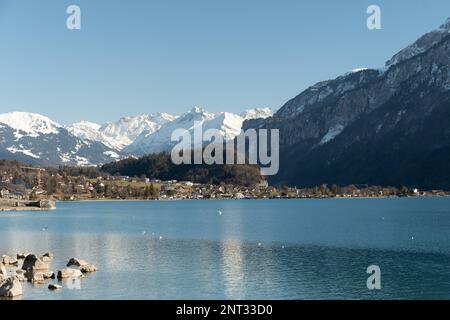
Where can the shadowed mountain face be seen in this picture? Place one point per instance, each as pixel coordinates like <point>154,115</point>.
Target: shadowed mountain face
<point>387,127</point>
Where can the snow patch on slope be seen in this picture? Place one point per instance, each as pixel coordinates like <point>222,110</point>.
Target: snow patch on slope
<point>359,70</point>
<point>331,134</point>
<point>257,113</point>
<point>14,149</point>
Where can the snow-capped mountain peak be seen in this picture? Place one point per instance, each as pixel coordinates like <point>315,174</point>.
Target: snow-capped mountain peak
<point>33,138</point>
<point>196,114</point>
<point>197,110</point>
<point>84,125</point>
<point>257,113</point>
<point>117,135</point>
<point>162,117</point>
<point>160,140</point>
<point>31,124</point>
<point>356,70</point>
<point>422,44</point>
<point>445,27</point>
<point>86,130</point>
<point>228,124</point>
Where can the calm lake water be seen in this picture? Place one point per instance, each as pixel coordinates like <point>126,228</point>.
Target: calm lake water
<point>257,249</point>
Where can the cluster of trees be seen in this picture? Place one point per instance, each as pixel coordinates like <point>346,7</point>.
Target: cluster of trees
<point>89,172</point>
<point>116,190</point>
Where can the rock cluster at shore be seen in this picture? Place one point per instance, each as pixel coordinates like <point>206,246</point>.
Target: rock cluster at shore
<point>26,205</point>
<point>36,270</point>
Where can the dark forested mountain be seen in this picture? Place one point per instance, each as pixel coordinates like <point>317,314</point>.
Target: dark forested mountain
<point>160,166</point>
<point>388,126</point>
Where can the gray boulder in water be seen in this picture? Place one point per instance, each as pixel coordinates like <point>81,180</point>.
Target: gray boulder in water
<point>77,262</point>
<point>49,275</point>
<point>34,276</point>
<point>10,288</point>
<point>47,257</point>
<point>34,263</point>
<point>88,268</point>
<point>3,272</point>
<point>69,273</point>
<point>21,256</point>
<point>53,286</point>
<point>7,260</point>
<point>20,275</point>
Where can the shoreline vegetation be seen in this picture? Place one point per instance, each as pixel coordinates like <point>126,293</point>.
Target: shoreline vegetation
<point>7,208</point>
<point>418,195</point>
<point>25,188</point>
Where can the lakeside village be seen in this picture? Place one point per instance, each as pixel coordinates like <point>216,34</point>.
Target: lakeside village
<point>27,188</point>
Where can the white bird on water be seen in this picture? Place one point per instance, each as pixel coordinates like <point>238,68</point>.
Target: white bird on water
<point>220,212</point>
<point>44,229</point>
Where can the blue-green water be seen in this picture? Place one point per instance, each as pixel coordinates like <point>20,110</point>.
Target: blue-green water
<point>257,249</point>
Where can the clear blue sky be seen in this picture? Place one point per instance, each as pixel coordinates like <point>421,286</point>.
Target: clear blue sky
<point>140,56</point>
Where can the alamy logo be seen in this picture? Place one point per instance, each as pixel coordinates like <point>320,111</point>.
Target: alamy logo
<point>374,20</point>
<point>249,147</point>
<point>374,280</point>
<point>73,22</point>
<point>73,284</point>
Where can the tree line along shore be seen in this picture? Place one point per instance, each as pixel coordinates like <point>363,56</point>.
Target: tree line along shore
<point>30,186</point>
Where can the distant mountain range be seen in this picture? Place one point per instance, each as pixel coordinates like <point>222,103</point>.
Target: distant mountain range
<point>118,135</point>
<point>228,124</point>
<point>36,139</point>
<point>388,126</point>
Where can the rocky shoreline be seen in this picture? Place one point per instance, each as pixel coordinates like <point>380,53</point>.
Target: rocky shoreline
<point>27,267</point>
<point>24,205</point>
